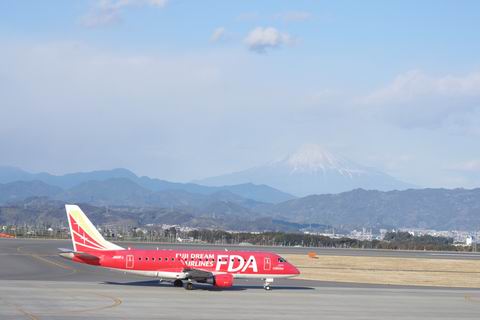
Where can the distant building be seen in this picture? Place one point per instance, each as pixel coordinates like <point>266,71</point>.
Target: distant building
<point>469,240</point>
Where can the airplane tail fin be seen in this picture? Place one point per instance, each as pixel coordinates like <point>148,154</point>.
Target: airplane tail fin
<point>85,237</point>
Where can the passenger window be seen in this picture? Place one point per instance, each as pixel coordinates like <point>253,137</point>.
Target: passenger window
<point>146,259</point>
<point>172,259</point>
<point>166,259</point>
<point>139,258</point>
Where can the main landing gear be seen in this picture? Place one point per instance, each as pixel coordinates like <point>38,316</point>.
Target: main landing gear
<point>266,284</point>
<point>178,283</point>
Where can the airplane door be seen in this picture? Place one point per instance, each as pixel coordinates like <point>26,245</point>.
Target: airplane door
<point>130,262</point>
<point>267,264</point>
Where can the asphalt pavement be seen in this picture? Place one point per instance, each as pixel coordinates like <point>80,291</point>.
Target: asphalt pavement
<point>37,284</point>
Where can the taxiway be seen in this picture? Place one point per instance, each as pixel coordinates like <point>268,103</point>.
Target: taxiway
<point>37,284</point>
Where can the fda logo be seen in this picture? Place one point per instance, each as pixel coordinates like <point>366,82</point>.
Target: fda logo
<point>235,263</point>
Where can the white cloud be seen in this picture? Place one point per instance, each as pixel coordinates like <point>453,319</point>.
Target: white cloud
<point>135,109</point>
<point>417,99</point>
<point>145,105</point>
<point>218,34</point>
<point>293,16</point>
<point>158,3</point>
<point>260,39</point>
<point>107,12</point>
<point>416,84</point>
<point>468,166</point>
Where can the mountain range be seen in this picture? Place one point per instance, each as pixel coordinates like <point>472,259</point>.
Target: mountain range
<point>122,201</point>
<point>439,209</point>
<point>312,170</point>
<point>76,181</point>
<point>119,196</point>
<point>47,212</point>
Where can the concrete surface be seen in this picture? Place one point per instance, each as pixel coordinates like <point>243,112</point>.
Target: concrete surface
<point>36,284</point>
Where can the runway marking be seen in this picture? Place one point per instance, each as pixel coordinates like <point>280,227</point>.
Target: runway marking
<point>38,257</point>
<point>27,314</point>
<point>26,254</point>
<point>471,298</point>
<point>115,303</point>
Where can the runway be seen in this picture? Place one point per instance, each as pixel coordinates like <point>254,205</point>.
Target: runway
<point>49,245</point>
<point>330,251</point>
<point>37,284</point>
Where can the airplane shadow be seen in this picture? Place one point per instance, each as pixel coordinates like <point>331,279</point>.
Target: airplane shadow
<point>206,287</point>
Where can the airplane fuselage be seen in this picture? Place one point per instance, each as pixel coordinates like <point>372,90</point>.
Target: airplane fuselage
<point>170,264</point>
<point>209,266</point>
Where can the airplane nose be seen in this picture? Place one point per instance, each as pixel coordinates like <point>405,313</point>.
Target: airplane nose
<point>295,270</point>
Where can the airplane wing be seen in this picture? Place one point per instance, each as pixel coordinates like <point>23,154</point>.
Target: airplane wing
<point>197,274</point>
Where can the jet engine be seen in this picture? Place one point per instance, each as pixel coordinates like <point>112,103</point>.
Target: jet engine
<point>223,280</point>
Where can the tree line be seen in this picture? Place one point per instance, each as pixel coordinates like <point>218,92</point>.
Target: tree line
<point>392,240</point>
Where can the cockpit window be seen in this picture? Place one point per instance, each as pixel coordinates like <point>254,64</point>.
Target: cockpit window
<point>280,259</point>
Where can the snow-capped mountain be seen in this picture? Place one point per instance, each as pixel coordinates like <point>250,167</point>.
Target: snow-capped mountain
<point>312,170</point>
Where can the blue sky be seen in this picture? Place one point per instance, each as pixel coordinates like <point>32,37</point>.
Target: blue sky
<point>183,90</point>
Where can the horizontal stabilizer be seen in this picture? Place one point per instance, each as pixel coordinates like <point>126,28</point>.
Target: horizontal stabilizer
<point>70,254</point>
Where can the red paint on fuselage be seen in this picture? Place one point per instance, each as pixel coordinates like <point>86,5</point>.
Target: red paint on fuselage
<point>91,248</point>
<point>234,262</point>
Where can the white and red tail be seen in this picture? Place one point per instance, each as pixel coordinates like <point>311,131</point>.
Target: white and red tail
<point>85,236</point>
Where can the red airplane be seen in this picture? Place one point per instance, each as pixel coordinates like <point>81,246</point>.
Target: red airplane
<point>215,267</point>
